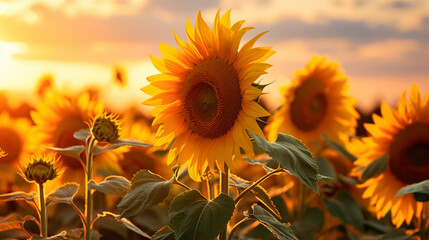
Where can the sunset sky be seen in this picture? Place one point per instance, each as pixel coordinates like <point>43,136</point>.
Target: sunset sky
<point>382,45</point>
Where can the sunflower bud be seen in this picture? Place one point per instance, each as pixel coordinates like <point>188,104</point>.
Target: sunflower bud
<point>40,168</point>
<point>105,128</point>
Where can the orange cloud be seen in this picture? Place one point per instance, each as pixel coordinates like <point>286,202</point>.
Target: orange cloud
<point>27,10</point>
<point>401,14</point>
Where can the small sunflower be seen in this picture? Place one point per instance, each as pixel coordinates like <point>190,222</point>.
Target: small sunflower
<point>403,134</point>
<point>41,168</point>
<point>105,127</point>
<point>204,99</point>
<point>57,118</point>
<point>316,102</point>
<point>45,83</point>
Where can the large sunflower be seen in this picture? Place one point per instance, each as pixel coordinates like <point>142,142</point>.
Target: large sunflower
<point>316,102</point>
<point>17,139</point>
<point>57,118</point>
<point>403,134</point>
<point>204,98</point>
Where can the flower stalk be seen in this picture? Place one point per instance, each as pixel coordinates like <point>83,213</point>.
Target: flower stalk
<point>245,191</point>
<point>224,188</point>
<point>43,211</point>
<point>88,192</point>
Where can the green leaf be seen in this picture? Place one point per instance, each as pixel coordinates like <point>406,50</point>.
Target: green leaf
<point>147,190</point>
<point>73,151</point>
<point>82,134</point>
<point>165,233</point>
<point>326,168</point>
<point>293,155</point>
<point>259,192</point>
<point>340,149</point>
<point>127,223</point>
<point>267,164</point>
<point>345,207</point>
<point>14,196</point>
<point>419,190</point>
<point>30,223</point>
<point>6,226</point>
<point>262,195</point>
<point>377,226</point>
<point>321,178</point>
<point>193,217</point>
<point>279,229</point>
<point>59,236</point>
<point>348,180</point>
<point>63,194</point>
<point>375,168</point>
<point>119,143</point>
<point>396,234</point>
<point>112,185</point>
<point>308,226</point>
<point>77,234</point>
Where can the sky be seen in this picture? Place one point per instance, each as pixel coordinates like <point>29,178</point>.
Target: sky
<point>382,45</point>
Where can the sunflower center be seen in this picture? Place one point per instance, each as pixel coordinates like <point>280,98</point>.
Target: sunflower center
<point>11,144</point>
<point>409,153</point>
<point>212,98</point>
<point>203,99</point>
<point>309,106</point>
<point>40,168</point>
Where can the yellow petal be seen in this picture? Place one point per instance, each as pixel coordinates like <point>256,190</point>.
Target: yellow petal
<point>253,109</point>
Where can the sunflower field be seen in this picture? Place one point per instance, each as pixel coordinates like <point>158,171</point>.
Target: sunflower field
<point>210,160</point>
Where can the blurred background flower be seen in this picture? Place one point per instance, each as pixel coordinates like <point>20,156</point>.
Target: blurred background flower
<point>401,133</point>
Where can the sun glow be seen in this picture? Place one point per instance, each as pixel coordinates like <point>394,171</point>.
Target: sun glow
<point>7,52</point>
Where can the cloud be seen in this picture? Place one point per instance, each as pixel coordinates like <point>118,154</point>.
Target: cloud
<point>402,15</point>
<point>388,66</point>
<point>29,10</point>
<point>388,50</point>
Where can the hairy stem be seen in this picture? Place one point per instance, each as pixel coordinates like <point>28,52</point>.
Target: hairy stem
<point>176,181</point>
<point>246,219</point>
<point>88,192</point>
<point>43,212</point>
<point>241,195</point>
<point>224,188</point>
<point>209,192</point>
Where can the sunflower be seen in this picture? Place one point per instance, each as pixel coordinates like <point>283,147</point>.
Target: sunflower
<point>17,139</point>
<point>403,134</point>
<point>57,118</point>
<point>316,102</point>
<point>41,168</point>
<point>204,98</point>
<point>45,83</point>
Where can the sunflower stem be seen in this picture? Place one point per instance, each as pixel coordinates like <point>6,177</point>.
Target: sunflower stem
<point>208,186</point>
<point>43,212</point>
<point>246,219</point>
<point>224,188</point>
<point>88,191</point>
<point>241,195</point>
